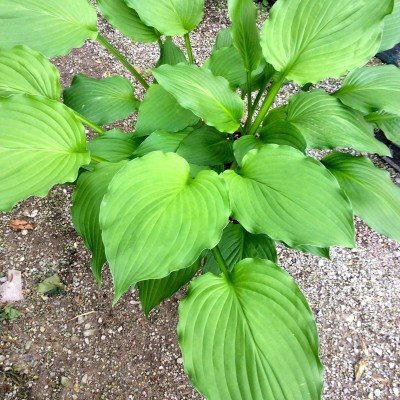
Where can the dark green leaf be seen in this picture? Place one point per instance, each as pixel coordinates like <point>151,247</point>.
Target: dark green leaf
<point>87,197</point>
<point>160,111</point>
<point>114,146</point>
<point>316,251</point>
<point>224,39</point>
<point>153,292</point>
<point>101,101</point>
<point>206,146</point>
<point>171,54</point>
<point>237,244</point>
<point>253,337</point>
<point>388,123</point>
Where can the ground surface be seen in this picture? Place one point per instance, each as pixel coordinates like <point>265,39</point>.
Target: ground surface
<point>74,345</point>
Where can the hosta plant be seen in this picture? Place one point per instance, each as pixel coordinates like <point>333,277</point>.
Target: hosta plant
<point>212,175</point>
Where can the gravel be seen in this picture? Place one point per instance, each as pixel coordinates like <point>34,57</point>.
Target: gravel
<point>75,345</point>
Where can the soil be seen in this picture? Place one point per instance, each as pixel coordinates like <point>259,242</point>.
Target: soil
<point>75,345</point>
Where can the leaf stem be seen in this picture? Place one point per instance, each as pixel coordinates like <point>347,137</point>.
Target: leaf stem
<point>221,262</point>
<point>101,39</point>
<point>90,124</point>
<point>249,103</point>
<point>189,48</point>
<point>273,91</point>
<point>97,159</point>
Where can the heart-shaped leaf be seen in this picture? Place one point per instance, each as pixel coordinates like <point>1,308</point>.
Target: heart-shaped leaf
<point>282,193</point>
<point>23,70</point>
<point>50,26</point>
<point>156,219</point>
<point>41,145</point>
<point>250,337</point>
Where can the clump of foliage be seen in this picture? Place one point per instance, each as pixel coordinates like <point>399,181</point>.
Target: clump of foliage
<point>211,178</point>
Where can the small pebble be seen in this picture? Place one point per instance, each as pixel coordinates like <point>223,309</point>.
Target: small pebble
<point>64,381</point>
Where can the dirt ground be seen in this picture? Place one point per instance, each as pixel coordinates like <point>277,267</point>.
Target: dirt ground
<point>74,345</point>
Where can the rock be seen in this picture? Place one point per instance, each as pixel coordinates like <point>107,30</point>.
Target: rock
<point>84,379</point>
<point>64,381</point>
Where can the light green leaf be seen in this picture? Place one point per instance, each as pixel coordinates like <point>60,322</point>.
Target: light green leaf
<point>206,95</point>
<point>206,146</point>
<point>161,140</point>
<point>101,100</point>
<point>52,27</point>
<point>244,31</point>
<point>391,31</point>
<point>87,197</point>
<point>170,17</point>
<point>375,198</point>
<point>160,111</point>
<point>253,337</point>
<point>236,244</point>
<point>156,219</point>
<point>41,145</point>
<point>228,63</point>
<point>23,70</point>
<point>326,123</point>
<point>153,292</point>
<point>170,53</point>
<point>127,21</point>
<point>388,123</point>
<point>320,39</point>
<point>282,193</point>
<point>114,146</point>
<point>224,39</point>
<point>278,132</point>
<point>372,88</point>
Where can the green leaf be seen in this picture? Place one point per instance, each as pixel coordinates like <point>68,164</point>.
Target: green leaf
<point>206,146</point>
<point>170,53</point>
<point>101,100</point>
<point>41,145</point>
<point>253,337</point>
<point>391,31</point>
<point>388,123</point>
<point>51,27</point>
<point>236,244</point>
<point>372,88</point>
<point>153,292</point>
<point>224,39</point>
<point>9,313</point>
<point>50,285</point>
<point>228,63</point>
<point>282,193</point>
<point>244,31</point>
<point>375,198</point>
<point>23,70</point>
<point>206,95</point>
<point>87,197</point>
<point>160,111</point>
<point>161,140</point>
<point>114,146</point>
<point>326,123</point>
<point>170,17</point>
<point>320,39</point>
<point>127,21</point>
<point>156,219</point>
